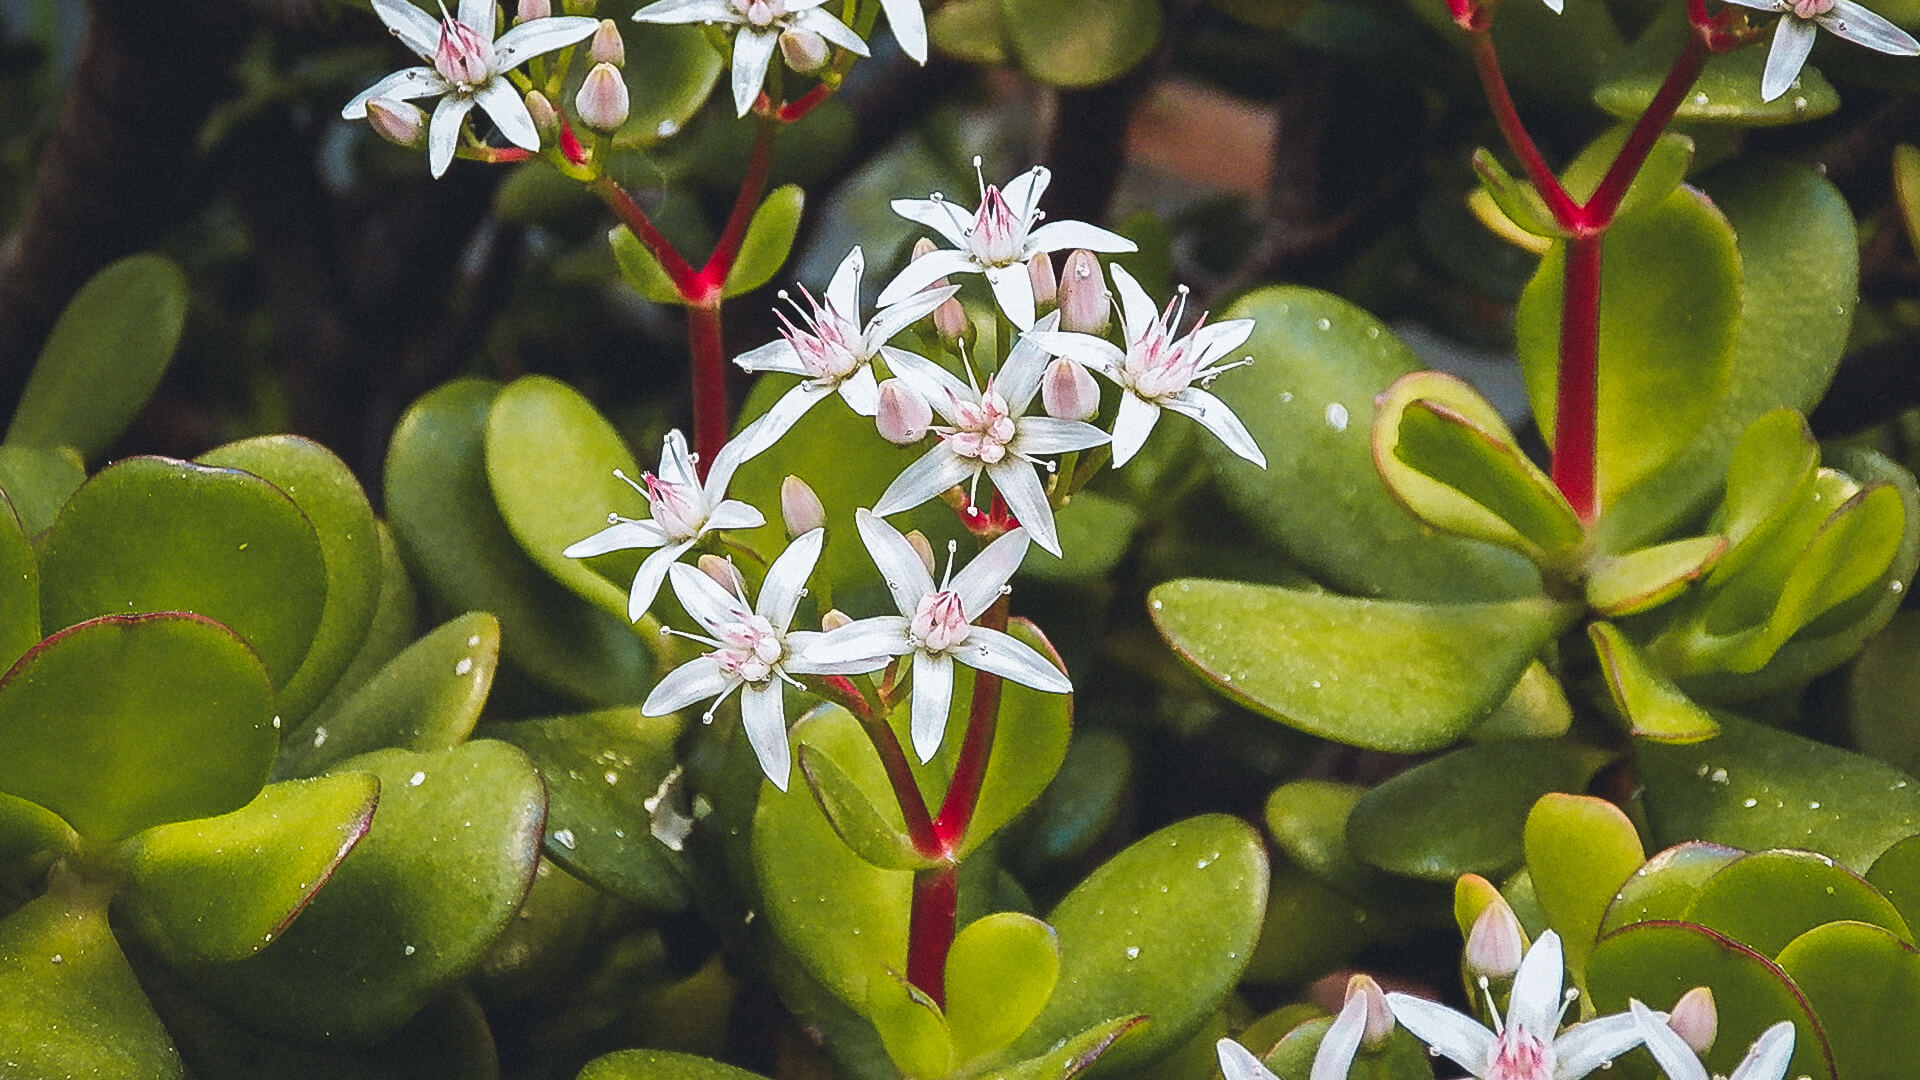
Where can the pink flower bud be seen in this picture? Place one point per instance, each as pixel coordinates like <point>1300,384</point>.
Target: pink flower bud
<point>800,508</point>
<point>1046,287</point>
<point>834,619</point>
<point>1695,1019</point>
<point>545,120</point>
<point>925,246</point>
<point>605,47</point>
<point>723,572</point>
<point>1379,1017</point>
<point>950,320</point>
<point>1495,945</point>
<point>903,415</point>
<point>530,10</point>
<point>806,52</point>
<point>1083,295</point>
<point>1068,391</point>
<point>399,122</point>
<point>922,547</point>
<point>602,101</point>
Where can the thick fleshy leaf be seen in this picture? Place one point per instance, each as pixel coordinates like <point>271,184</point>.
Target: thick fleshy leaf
<point>73,1007</point>
<point>611,818</point>
<point>1308,822</point>
<point>19,588</point>
<point>1313,660</point>
<point>1672,280</point>
<point>861,825</point>
<point>411,909</point>
<point>1896,874</point>
<point>663,93</point>
<point>1064,43</point>
<point>123,723</point>
<point>1163,929</point>
<point>1727,92</point>
<point>911,1026</point>
<point>1865,985</point>
<point>326,491</point>
<point>641,271</point>
<point>1308,401</point>
<point>1665,885</point>
<point>1536,708</point>
<point>38,480</point>
<point>1072,1056</point>
<point>1770,474</point>
<point>27,828</point>
<point>1464,812</point>
<point>768,241</point>
<point>1076,810</point>
<point>427,698</point>
<point>1579,851</point>
<point>1665,167</point>
<point>104,357</point>
<point>439,504</point>
<point>396,619</point>
<point>1515,198</point>
<point>1311,928</point>
<point>1651,705</point>
<point>1000,972</point>
<point>1401,1057</point>
<point>1754,787</point>
<point>1766,899</point>
<point>223,888</point>
<point>1095,532</point>
<point>1639,580</point>
<point>974,31</point>
<point>660,1065</point>
<point>1656,962</point>
<point>155,534</point>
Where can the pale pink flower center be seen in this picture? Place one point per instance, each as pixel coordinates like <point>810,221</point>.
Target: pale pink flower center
<point>463,57</point>
<point>1518,1054</point>
<point>677,514</point>
<point>1810,9</point>
<point>982,430</point>
<point>761,13</point>
<point>749,649</point>
<point>1159,365</point>
<point>999,235</point>
<point>831,346</point>
<point>939,623</point>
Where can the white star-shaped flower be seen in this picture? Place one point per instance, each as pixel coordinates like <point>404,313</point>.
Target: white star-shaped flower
<point>1768,1059</point>
<point>987,431</point>
<point>753,650</point>
<point>1793,36</point>
<point>684,510</point>
<point>1524,1047</point>
<point>935,626</point>
<point>996,240</point>
<point>761,23</point>
<point>468,68</point>
<point>1158,370</point>
<point>832,349</point>
<point>1332,1061</point>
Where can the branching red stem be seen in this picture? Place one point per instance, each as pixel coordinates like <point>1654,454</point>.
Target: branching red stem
<point>1599,210</point>
<point>1487,62</point>
<point>753,188</point>
<point>635,218</point>
<point>963,794</point>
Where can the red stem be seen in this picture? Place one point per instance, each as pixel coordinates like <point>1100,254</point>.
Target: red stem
<point>1576,411</point>
<point>709,382</point>
<point>930,930</point>
<point>1599,210</point>
<point>753,187</point>
<point>1565,211</point>
<point>794,111</point>
<point>633,217</point>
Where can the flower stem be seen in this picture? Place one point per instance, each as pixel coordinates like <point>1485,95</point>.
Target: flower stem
<point>1599,210</point>
<point>963,794</point>
<point>930,930</point>
<point>753,187</point>
<point>634,218</point>
<point>1576,407</point>
<point>1487,63</point>
<point>709,357</point>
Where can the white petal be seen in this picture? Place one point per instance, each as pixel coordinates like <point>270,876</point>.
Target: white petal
<point>1021,489</point>
<point>1862,27</point>
<point>1238,1063</point>
<point>1039,435</point>
<point>1137,313</point>
<point>779,419</point>
<point>862,639</point>
<point>926,270</point>
<point>416,29</point>
<point>729,458</point>
<point>1215,340</point>
<point>502,102</point>
<point>777,356</point>
<point>1771,1054</point>
<point>480,17</point>
<point>1454,1034</point>
<point>803,656</point>
<point>1792,41</point>
<point>712,606</point>
<point>530,39</point>
<point>1060,235</point>
<point>940,215</point>
<point>1013,288</point>
<point>1023,192</point>
<point>786,579</point>
<point>936,470</point>
<point>1334,1059</point>
<point>618,536</point>
<point>407,84</point>
<point>932,697</point>
<point>1674,1056</point>
<point>647,579</point>
<point>843,292</point>
<point>1018,379</point>
<point>763,714</point>
<point>900,567</point>
<point>1010,658</point>
<point>1761,5</point>
<point>889,321</point>
<point>1555,6</point>
<point>734,514</point>
<point>941,388</point>
<point>830,28</point>
<point>1587,1047</point>
<point>443,132</point>
<point>861,392</point>
<point>688,11</point>
<point>676,464</point>
<point>1132,426</point>
<point>909,25</point>
<point>1085,349</point>
<point>695,680</point>
<point>1535,1001</point>
<point>752,52</point>
<point>1213,414</point>
<point>980,582</point>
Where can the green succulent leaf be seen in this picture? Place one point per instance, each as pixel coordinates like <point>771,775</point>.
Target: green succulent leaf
<point>1663,888</point>
<point>1063,43</point>
<point>1401,1057</point>
<point>641,271</point>
<point>1579,851</point>
<point>1095,532</point>
<point>1864,983</point>
<point>1308,822</point>
<point>1311,928</point>
<point>19,588</point>
<point>1896,874</point>
<point>911,1027</point>
<point>665,91</point>
<point>38,480</point>
<point>1000,973</point>
<point>1770,476</point>
<point>973,31</point>
<point>769,240</point>
<point>860,824</point>
<point>1652,706</point>
<point>1727,91</point>
<point>1766,899</point>
<point>1074,1055</point>
<point>1516,198</point>
<point>396,620</point>
<point>1665,167</point>
<point>1641,580</point>
<point>27,828</point>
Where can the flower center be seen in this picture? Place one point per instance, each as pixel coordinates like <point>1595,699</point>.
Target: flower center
<point>1518,1054</point>
<point>830,346</point>
<point>1810,9</point>
<point>998,233</point>
<point>750,649</point>
<point>463,57</point>
<point>939,623</point>
<point>1160,365</point>
<point>677,514</point>
<point>982,430</point>
<point>760,13</point>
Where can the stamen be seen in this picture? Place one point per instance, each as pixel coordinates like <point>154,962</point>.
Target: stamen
<point>1032,212</point>
<point>628,480</point>
<point>953,549</point>
<point>978,175</point>
<point>1493,1009</point>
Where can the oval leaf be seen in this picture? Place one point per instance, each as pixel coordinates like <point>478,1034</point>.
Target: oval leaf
<point>768,241</point>
<point>1865,984</point>
<point>1000,973</point>
<point>1766,899</point>
<point>1579,851</point>
<point>73,1007</point>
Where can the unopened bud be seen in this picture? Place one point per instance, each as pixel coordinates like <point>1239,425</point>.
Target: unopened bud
<point>806,52</point>
<point>602,101</point>
<point>545,120</point>
<point>1379,1017</point>
<point>1083,295</point>
<point>834,619</point>
<point>606,47</point>
<point>1046,288</point>
<point>1495,945</point>
<point>530,10</point>
<point>925,246</point>
<point>950,320</point>
<point>903,415</point>
<point>723,572</point>
<point>922,547</point>
<point>800,508</point>
<point>1695,1019</point>
<point>399,122</point>
<point>1068,391</point>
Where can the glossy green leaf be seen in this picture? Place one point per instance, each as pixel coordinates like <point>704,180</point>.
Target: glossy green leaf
<point>1671,276</point>
<point>1312,660</point>
<point>609,818</point>
<point>411,909</point>
<point>1308,822</point>
<point>860,824</point>
<point>1064,43</point>
<point>1639,580</point>
<point>223,888</point>
<point>1464,812</point>
<point>1163,929</point>
<point>1536,708</point>
<point>427,698</point>
<point>1665,885</point>
<point>1579,851</point>
<point>1472,895</point>
<point>660,1065</point>
<point>1727,91</point>
<point>551,459</point>
<point>641,271</point>
<point>1657,962</point>
<point>1754,787</point>
<point>1401,1057</point>
<point>1645,698</point>
<point>19,588</point>
<point>1770,474</point>
<point>911,1027</point>
<point>124,723</point>
<point>1000,973</point>
<point>1074,1055</point>
<point>439,504</point>
<point>1077,808</point>
<point>1665,167</point>
<point>1308,401</point>
<point>768,241</point>
<point>1906,188</point>
<point>665,91</point>
<point>1310,928</point>
<point>1516,198</point>
<point>1865,985</point>
<point>396,620</point>
<point>1896,874</point>
<point>326,491</point>
<point>973,31</point>
<point>73,1007</point>
<point>1766,899</point>
<point>104,356</point>
<point>38,481</point>
<point>27,828</point>
<point>155,534</point>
